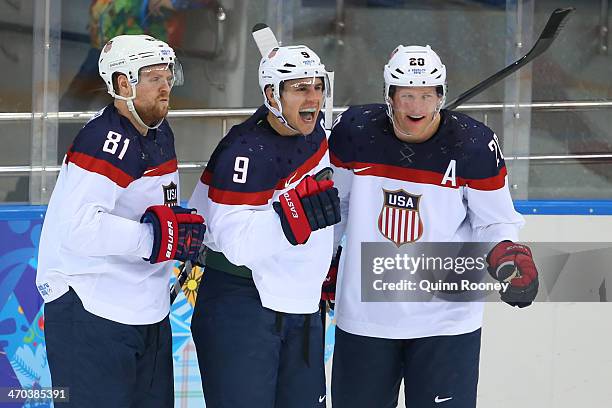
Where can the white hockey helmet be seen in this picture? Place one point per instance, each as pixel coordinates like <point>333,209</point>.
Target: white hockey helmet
<point>285,63</point>
<point>414,66</point>
<point>127,54</point>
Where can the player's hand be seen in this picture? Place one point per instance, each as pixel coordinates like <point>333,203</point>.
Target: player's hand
<point>177,233</point>
<point>328,290</point>
<point>513,263</point>
<point>308,207</point>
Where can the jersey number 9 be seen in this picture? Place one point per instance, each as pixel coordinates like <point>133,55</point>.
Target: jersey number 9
<point>241,166</point>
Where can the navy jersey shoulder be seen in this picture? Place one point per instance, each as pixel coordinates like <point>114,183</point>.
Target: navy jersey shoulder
<point>356,129</point>
<point>465,128</point>
<point>254,158</point>
<point>364,135</point>
<point>109,144</point>
<point>476,147</point>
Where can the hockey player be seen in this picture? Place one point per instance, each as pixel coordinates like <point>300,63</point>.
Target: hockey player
<point>256,324</point>
<point>111,233</point>
<point>450,168</point>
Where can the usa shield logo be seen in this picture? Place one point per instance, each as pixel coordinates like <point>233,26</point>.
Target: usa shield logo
<point>170,195</point>
<point>399,220</point>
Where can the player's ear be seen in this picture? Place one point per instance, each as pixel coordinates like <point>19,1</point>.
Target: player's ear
<point>269,91</point>
<point>122,85</point>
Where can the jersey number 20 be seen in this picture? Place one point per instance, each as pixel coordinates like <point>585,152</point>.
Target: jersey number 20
<point>494,147</point>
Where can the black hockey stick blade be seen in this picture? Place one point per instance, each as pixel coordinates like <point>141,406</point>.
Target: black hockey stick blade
<point>259,26</point>
<point>550,32</point>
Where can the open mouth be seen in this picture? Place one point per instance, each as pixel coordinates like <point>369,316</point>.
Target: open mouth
<point>308,115</point>
<point>415,118</point>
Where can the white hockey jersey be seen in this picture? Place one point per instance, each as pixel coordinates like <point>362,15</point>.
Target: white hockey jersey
<point>247,172</point>
<point>92,239</point>
<point>458,181</point>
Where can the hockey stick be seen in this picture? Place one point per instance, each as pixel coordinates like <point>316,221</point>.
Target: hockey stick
<point>550,32</point>
<point>184,272</point>
<point>266,40</point>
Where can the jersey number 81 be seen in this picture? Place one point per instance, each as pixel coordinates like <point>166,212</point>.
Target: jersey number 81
<point>112,142</point>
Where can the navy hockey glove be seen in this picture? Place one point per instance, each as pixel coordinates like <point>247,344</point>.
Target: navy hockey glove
<point>308,207</point>
<point>177,233</point>
<point>328,290</point>
<point>513,263</point>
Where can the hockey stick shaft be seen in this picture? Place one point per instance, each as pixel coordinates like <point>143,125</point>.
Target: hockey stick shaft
<point>329,103</point>
<point>184,271</point>
<point>550,32</point>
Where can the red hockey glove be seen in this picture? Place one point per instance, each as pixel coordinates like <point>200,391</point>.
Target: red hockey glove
<point>328,290</point>
<point>308,207</point>
<point>177,233</point>
<point>513,263</point>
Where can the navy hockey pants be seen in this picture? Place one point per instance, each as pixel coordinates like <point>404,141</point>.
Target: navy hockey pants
<point>250,356</point>
<point>439,371</point>
<point>107,364</point>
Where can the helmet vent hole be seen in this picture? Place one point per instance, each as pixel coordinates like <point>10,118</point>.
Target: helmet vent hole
<point>284,71</point>
<point>394,76</point>
<point>434,71</point>
<point>289,65</point>
<point>399,71</point>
